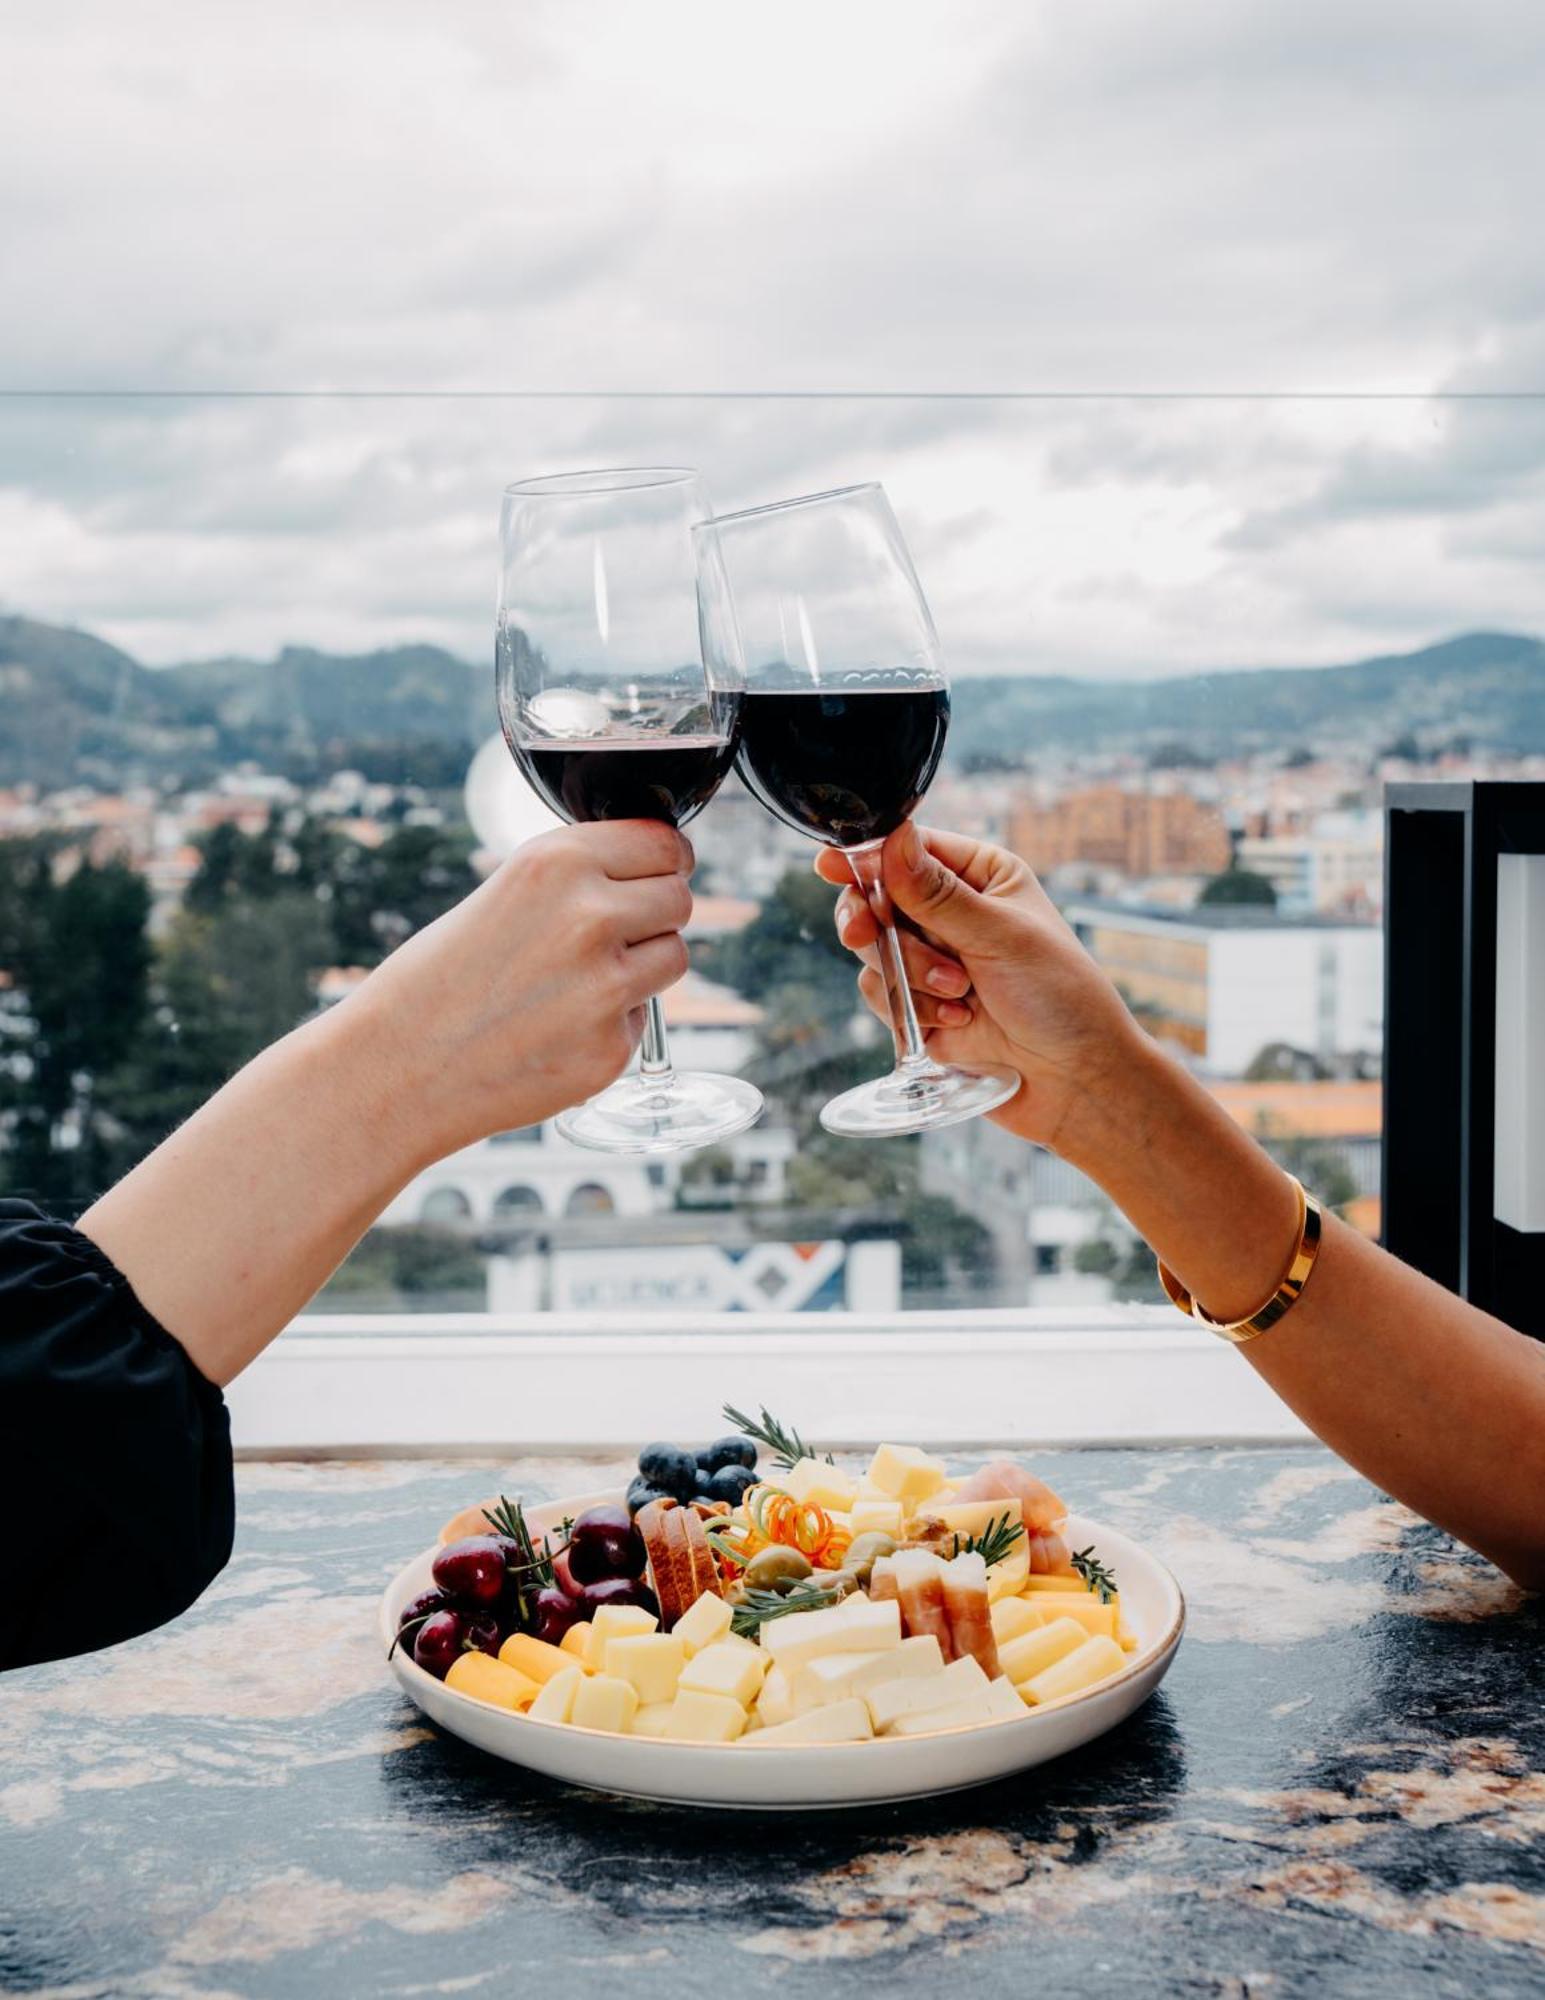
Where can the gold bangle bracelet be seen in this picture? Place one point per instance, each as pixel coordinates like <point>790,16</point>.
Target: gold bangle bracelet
<point>1311,1224</point>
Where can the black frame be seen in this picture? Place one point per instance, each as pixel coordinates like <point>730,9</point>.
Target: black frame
<point>1440,1003</point>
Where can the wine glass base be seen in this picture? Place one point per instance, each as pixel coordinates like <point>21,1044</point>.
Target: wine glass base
<point>676,1114</point>
<point>918,1099</point>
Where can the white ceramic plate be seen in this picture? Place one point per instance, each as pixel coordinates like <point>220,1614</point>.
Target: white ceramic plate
<point>813,1775</point>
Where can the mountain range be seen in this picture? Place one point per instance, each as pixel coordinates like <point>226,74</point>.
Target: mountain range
<point>74,709</point>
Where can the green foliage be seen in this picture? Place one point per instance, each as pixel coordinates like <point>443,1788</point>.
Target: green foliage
<point>414,1263</point>
<point>1280,1062</point>
<point>1240,885</point>
<point>1097,1257</point>
<point>792,941</point>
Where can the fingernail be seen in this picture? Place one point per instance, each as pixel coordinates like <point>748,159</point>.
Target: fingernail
<point>953,1014</point>
<point>945,979</point>
<point>911,846</point>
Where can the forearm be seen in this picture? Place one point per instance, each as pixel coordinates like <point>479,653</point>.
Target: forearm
<point>231,1225</point>
<point>1435,1401</point>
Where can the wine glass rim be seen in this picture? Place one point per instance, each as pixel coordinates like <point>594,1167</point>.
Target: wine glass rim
<point>798,500</point>
<point>601,479</point>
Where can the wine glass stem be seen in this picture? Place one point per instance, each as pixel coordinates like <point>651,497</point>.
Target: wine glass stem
<point>654,1056</point>
<point>911,1051</point>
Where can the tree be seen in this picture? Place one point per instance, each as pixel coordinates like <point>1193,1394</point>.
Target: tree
<point>1280,1062</point>
<point>792,939</point>
<point>1242,886</point>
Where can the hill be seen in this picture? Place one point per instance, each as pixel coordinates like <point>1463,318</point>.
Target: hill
<point>74,709</point>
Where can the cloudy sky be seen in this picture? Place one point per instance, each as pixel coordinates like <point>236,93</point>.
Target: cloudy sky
<point>1067,244</point>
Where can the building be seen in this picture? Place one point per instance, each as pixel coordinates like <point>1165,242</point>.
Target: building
<point>1220,983</point>
<point>1335,866</point>
<point>1138,833</point>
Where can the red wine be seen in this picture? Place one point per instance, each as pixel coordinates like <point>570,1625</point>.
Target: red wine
<point>845,767</point>
<point>628,777</point>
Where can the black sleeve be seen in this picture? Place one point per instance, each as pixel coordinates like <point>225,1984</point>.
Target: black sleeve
<point>116,1498</point>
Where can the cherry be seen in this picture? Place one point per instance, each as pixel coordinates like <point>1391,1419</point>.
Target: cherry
<point>617,1590</point>
<point>419,1608</point>
<point>567,1580</point>
<point>438,1644</point>
<point>555,1612</point>
<point>472,1569</point>
<point>603,1542</point>
<point>481,1632</point>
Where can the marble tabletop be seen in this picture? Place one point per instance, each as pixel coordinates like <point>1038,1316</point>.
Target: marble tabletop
<point>1339,1790</point>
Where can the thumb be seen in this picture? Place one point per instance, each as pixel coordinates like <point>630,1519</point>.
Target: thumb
<point>930,892</point>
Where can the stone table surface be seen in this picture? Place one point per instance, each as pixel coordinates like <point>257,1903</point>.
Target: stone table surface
<point>1339,1790</point>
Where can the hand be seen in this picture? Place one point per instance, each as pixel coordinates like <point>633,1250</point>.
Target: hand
<point>529,995</point>
<point>998,978</point>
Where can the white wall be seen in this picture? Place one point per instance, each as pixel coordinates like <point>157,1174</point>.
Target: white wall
<point>1318,988</point>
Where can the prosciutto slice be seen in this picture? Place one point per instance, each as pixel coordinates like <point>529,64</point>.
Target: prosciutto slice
<point>1045,1513</point>
<point>920,1585</point>
<point>970,1614</point>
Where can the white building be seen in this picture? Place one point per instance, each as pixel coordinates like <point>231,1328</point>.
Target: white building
<point>1336,864</point>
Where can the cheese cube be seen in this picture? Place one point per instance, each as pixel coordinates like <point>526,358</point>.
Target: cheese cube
<point>1013,1616</point>
<point>735,1671</point>
<point>1094,1616</point>
<point>650,1718</point>
<point>486,1679</point>
<point>650,1661</point>
<point>775,1703</point>
<point>1093,1661</point>
<point>1071,1581</point>
<point>892,1699</point>
<point>857,1625</point>
<point>700,1717</point>
<point>1032,1652</point>
<point>879,1516</point>
<point>576,1643</point>
<point>817,1484</point>
<point>975,1517</point>
<point>904,1473</point>
<point>739,1639</point>
<point>555,1703</point>
<point>839,1722</point>
<point>601,1701</point>
<point>840,1675</point>
<point>1007,1578</point>
<point>615,1621</point>
<point>702,1623</point>
<point>995,1703</point>
<point>534,1657</point>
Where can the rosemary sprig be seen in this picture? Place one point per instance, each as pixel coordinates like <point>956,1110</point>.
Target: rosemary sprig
<point>534,1571</point>
<point>758,1607</point>
<point>787,1446</point>
<point>1094,1573</point>
<point>994,1542</point>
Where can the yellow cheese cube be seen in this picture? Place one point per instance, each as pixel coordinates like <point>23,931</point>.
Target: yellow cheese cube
<point>650,1718</point>
<point>555,1703</point>
<point>817,1484</point>
<point>775,1703</point>
<point>534,1657</point>
<point>1032,1652</point>
<point>892,1699</point>
<point>615,1621</point>
<point>1013,1616</point>
<point>1088,1610</point>
<point>904,1473</point>
<point>975,1517</point>
<point>1095,1660</point>
<point>702,1623</point>
<point>601,1701</point>
<point>700,1717</point>
<point>1072,1581</point>
<point>650,1661</point>
<point>880,1516</point>
<point>576,1643</point>
<point>840,1675</point>
<point>735,1671</point>
<point>1007,1578</point>
<point>485,1679</point>
<point>838,1722</point>
<point>857,1625</point>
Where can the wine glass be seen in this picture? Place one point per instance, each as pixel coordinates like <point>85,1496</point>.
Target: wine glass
<point>841,730</point>
<point>619,687</point>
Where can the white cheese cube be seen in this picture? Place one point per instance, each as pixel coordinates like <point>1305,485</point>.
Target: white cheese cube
<point>840,1675</point>
<point>776,1702</point>
<point>879,1516</point>
<point>699,1717</point>
<point>602,1702</point>
<point>555,1703</point>
<point>841,1722</point>
<point>651,1661</point>
<point>703,1623</point>
<point>904,1473</point>
<point>735,1671</point>
<point>1032,1652</point>
<point>817,1484</point>
<point>650,1717</point>
<point>893,1699</point>
<point>614,1621</point>
<point>857,1625</point>
<point>971,1713</point>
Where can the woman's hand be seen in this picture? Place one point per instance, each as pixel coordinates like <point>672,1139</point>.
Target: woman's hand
<point>529,996</point>
<point>997,978</point>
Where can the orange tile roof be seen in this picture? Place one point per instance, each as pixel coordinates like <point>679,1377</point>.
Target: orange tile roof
<point>1305,1110</point>
<point>695,1002</point>
<point>719,916</point>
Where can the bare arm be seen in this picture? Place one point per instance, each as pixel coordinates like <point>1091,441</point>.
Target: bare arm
<point>1440,1404</point>
<point>525,998</point>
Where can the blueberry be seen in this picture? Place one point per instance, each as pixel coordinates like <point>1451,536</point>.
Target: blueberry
<point>704,1482</point>
<point>731,1483</point>
<point>640,1493</point>
<point>727,1451</point>
<point>670,1468</point>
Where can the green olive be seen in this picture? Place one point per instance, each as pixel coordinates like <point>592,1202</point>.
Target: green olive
<point>777,1568</point>
<point>866,1551</point>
